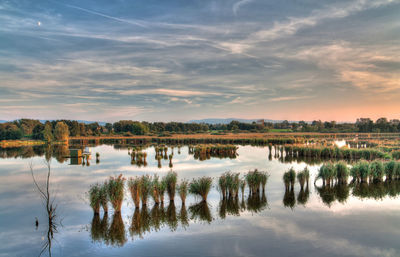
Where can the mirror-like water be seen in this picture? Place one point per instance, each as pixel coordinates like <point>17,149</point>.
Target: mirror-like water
<point>341,220</point>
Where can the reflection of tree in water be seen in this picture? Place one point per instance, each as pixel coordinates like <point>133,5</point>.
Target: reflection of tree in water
<point>61,152</point>
<point>51,208</point>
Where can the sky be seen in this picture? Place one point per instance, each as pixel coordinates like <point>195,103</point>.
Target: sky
<point>179,60</point>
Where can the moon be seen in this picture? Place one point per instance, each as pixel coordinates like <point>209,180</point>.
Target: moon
<point>39,23</point>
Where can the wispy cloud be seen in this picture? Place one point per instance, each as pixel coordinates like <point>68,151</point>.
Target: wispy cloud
<point>236,6</point>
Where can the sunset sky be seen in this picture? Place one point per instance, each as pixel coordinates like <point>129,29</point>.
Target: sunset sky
<point>191,59</point>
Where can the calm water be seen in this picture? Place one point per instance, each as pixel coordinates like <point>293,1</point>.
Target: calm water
<point>339,221</point>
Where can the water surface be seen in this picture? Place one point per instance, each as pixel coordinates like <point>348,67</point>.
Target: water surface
<point>337,221</point>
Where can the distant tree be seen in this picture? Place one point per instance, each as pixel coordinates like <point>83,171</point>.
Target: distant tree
<point>75,130</point>
<point>61,131</point>
<point>109,127</point>
<point>47,132</point>
<point>37,132</point>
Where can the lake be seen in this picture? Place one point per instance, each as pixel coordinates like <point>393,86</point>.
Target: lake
<point>361,220</point>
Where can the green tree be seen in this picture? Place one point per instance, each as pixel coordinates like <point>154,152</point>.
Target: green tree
<point>61,131</point>
<point>47,132</point>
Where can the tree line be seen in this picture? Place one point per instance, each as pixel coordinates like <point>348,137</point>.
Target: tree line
<point>60,129</point>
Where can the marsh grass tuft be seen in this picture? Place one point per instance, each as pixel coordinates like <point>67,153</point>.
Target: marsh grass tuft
<point>201,187</point>
<point>183,189</point>
<point>115,191</point>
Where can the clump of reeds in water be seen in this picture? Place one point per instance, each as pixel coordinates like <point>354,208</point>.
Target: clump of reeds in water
<point>229,184</point>
<point>104,197</point>
<point>135,190</point>
<point>94,197</point>
<point>159,158</point>
<point>256,179</point>
<point>201,187</point>
<point>303,177</point>
<point>327,173</point>
<point>390,170</point>
<point>289,177</point>
<point>155,189</point>
<point>376,171</point>
<point>146,187</point>
<point>341,172</point>
<point>170,160</point>
<point>242,184</point>
<point>360,171</point>
<point>183,189</point>
<point>170,181</point>
<point>115,191</point>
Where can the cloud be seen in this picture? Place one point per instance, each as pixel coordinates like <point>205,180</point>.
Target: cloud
<point>288,98</point>
<point>236,6</point>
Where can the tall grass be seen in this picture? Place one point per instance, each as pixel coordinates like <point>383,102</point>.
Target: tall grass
<point>183,189</point>
<point>94,197</point>
<point>155,189</point>
<point>256,179</point>
<point>134,186</point>
<point>170,181</point>
<point>303,177</point>
<point>342,172</point>
<point>289,177</point>
<point>145,188</point>
<point>327,173</point>
<point>115,191</point>
<point>376,171</point>
<point>201,187</point>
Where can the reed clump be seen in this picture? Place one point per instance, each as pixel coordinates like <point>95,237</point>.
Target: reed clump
<point>303,177</point>
<point>376,171</point>
<point>115,191</point>
<point>289,177</point>
<point>134,185</point>
<point>256,180</point>
<point>94,198</point>
<point>201,187</point>
<point>327,173</point>
<point>145,188</point>
<point>342,172</point>
<point>170,182</point>
<point>183,189</point>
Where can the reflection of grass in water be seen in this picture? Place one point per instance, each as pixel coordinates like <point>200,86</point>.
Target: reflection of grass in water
<point>99,229</point>
<point>342,192</point>
<point>303,196</point>
<point>116,233</point>
<point>96,228</point>
<point>183,217</point>
<point>171,218</point>
<point>376,190</point>
<point>156,217</point>
<point>229,206</point>
<point>141,222</point>
<point>256,202</point>
<point>289,199</point>
<point>200,212</point>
